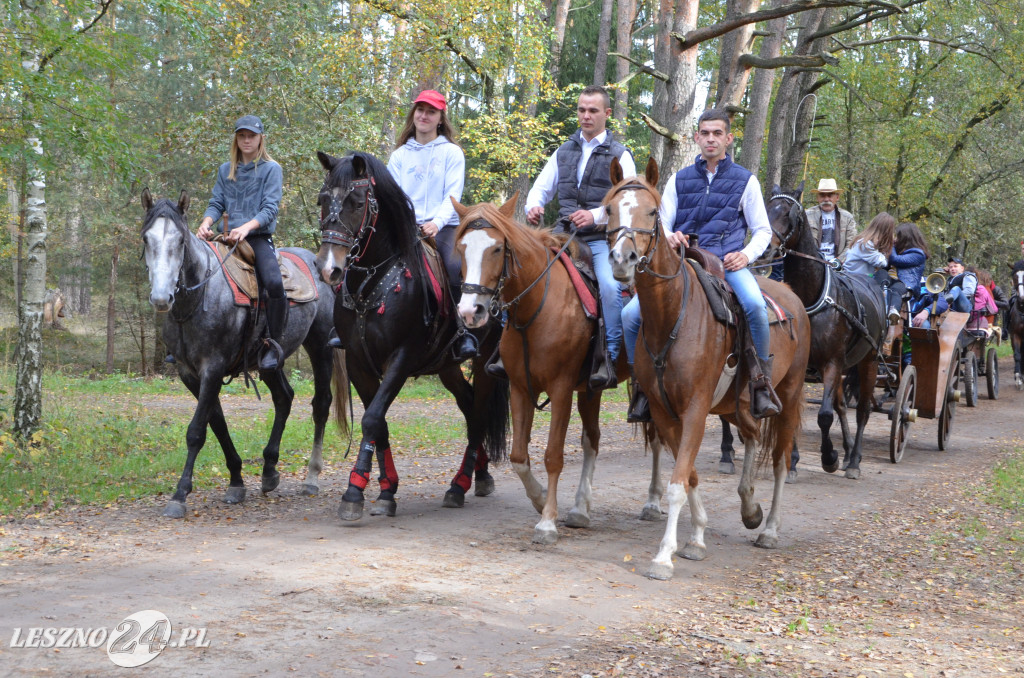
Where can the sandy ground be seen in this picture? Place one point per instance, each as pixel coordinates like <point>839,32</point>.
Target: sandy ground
<point>282,586</point>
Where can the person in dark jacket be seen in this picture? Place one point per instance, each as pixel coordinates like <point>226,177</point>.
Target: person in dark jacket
<point>908,257</point>
<point>579,174</point>
<point>247,194</point>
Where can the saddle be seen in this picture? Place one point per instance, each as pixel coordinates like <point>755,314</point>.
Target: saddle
<point>581,273</point>
<point>299,282</point>
<point>711,275</point>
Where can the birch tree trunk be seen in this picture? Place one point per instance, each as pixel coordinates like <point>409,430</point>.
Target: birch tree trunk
<point>111,306</point>
<point>16,228</point>
<point>28,389</point>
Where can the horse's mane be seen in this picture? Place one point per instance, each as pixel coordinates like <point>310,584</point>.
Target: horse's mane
<point>1018,266</point>
<point>520,238</point>
<point>164,208</point>
<point>396,211</point>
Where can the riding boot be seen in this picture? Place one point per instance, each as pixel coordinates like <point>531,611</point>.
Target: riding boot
<point>332,339</point>
<point>169,358</point>
<point>763,400</point>
<point>639,407</point>
<point>495,367</point>
<point>602,373</point>
<point>272,356</point>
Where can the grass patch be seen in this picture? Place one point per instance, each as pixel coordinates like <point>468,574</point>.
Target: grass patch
<point>1007,488</point>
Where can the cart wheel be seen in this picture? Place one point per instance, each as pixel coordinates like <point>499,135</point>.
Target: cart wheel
<point>902,414</point>
<point>949,401</point>
<point>992,373</point>
<point>971,379</point>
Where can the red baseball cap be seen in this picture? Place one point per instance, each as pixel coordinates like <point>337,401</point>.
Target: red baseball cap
<point>432,98</point>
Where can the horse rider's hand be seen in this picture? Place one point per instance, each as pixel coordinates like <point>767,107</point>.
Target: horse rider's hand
<point>429,229</point>
<point>582,219</point>
<point>734,261</point>
<point>677,238</point>
<point>237,234</point>
<point>204,232</point>
<point>534,215</point>
<point>919,319</point>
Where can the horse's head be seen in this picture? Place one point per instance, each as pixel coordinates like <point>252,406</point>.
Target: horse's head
<point>1018,283</point>
<point>348,214</point>
<point>164,234</point>
<point>484,250</point>
<point>634,226</point>
<point>787,218</point>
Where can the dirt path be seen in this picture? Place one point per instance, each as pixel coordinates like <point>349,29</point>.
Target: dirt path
<point>871,578</point>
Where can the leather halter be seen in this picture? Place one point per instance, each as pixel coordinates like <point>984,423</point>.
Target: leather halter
<point>494,292</point>
<point>655,233</point>
<point>367,221</point>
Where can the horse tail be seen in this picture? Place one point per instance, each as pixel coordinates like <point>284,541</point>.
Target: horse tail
<point>496,427</point>
<point>341,401</point>
<point>773,428</point>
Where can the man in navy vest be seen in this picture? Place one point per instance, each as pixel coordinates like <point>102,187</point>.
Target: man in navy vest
<point>718,201</point>
<point>579,174</point>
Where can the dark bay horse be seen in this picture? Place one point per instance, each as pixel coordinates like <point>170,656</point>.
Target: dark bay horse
<point>394,322</point>
<point>209,337</point>
<point>681,360</point>
<point>848,324</point>
<point>1015,322</point>
<point>511,267</point>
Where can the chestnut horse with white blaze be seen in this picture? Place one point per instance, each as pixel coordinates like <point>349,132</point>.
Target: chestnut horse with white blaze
<point>681,358</point>
<point>507,266</point>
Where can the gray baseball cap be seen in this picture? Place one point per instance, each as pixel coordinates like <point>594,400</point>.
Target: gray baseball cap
<point>251,123</point>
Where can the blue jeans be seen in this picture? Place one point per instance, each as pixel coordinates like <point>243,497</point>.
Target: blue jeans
<point>611,296</point>
<point>749,296</point>
<point>959,302</point>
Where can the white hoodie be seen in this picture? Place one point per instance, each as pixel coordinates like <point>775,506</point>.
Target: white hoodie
<point>429,174</point>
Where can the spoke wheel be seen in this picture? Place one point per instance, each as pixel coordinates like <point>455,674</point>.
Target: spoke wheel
<point>949,401</point>
<point>992,373</point>
<point>902,414</point>
<point>971,379</point>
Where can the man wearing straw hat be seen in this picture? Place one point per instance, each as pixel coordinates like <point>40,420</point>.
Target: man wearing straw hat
<point>833,228</point>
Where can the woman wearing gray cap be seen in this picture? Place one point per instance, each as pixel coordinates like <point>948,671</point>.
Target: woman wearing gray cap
<point>246,195</point>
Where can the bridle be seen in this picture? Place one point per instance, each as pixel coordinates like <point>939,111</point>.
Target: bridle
<point>654,233</point>
<point>352,240</point>
<point>495,307</point>
<point>781,251</point>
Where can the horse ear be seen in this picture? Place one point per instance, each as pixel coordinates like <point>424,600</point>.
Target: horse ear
<point>776,189</point>
<point>509,208</point>
<point>615,171</point>
<point>183,202</point>
<point>460,209</point>
<point>651,173</point>
<point>799,192</point>
<point>326,161</point>
<point>147,199</point>
<point>359,166</point>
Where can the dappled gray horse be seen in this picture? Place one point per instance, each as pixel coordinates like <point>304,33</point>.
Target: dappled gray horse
<point>211,337</point>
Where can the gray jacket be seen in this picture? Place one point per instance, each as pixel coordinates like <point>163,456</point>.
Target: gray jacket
<point>255,193</point>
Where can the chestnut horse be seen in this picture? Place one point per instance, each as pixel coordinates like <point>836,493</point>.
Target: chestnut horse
<point>1015,321</point>
<point>682,365</point>
<point>511,267</point>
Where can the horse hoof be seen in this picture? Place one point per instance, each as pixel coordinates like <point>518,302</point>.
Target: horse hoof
<point>845,465</point>
<point>660,571</point>
<point>853,473</point>
<point>174,509</point>
<point>453,499</point>
<point>791,476</point>
<point>830,468</point>
<point>545,537</point>
<point>727,468</point>
<point>694,552</point>
<point>309,490</point>
<point>234,495</point>
<point>651,513</point>
<point>577,519</point>
<point>483,486</point>
<point>767,542</point>
<point>350,510</point>
<point>754,521</point>
<point>270,483</point>
<point>384,507</point>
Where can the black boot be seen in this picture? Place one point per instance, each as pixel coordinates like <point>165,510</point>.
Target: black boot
<point>465,345</point>
<point>272,356</point>
<point>332,339</point>
<point>602,371</point>
<point>170,359</point>
<point>495,367</point>
<point>639,407</point>
<point>763,400</point>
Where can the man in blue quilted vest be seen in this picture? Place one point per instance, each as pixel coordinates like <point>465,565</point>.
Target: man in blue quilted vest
<point>719,201</point>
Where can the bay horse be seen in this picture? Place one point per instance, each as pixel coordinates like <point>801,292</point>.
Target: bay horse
<point>1015,321</point>
<point>682,365</point>
<point>512,268</point>
<point>395,322</point>
<point>848,324</point>
<point>212,338</point>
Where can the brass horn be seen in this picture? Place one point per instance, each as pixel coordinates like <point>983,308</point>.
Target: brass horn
<point>935,282</point>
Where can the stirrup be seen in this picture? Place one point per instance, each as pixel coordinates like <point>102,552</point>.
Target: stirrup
<point>332,340</point>
<point>272,356</point>
<point>603,377</point>
<point>496,369</point>
<point>465,346</point>
<point>639,406</point>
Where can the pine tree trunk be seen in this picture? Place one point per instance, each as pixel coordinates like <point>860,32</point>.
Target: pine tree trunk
<point>111,308</point>
<point>558,39</point>
<point>604,32</point>
<point>623,45</point>
<point>674,147</point>
<point>760,97</point>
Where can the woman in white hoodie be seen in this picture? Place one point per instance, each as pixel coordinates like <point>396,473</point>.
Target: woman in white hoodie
<point>431,168</point>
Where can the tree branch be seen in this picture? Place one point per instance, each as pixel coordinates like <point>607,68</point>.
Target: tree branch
<point>797,60</point>
<point>660,129</point>
<point>46,59</point>
<point>654,73</point>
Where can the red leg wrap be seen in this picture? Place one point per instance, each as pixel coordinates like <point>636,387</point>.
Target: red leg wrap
<point>359,479</point>
<point>390,478</point>
<point>481,459</point>
<point>463,481</point>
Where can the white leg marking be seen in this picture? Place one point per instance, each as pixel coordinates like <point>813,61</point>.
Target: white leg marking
<point>676,493</point>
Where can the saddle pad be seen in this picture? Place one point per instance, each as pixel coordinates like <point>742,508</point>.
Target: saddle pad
<point>583,290</point>
<point>436,273</point>
<point>723,301</point>
<point>299,283</point>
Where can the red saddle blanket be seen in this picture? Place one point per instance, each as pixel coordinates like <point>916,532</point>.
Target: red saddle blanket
<point>299,291</point>
<point>583,290</point>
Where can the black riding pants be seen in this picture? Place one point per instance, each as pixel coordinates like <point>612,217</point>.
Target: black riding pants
<point>445,240</point>
<point>267,271</point>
